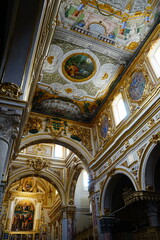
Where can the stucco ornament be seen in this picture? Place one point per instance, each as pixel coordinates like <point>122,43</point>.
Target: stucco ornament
<point>38,163</point>
<point>52,60</point>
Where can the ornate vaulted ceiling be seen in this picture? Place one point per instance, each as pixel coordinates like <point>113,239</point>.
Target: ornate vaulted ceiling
<point>92,44</point>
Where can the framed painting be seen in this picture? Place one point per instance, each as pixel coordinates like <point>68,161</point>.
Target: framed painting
<point>23,216</point>
<point>79,67</point>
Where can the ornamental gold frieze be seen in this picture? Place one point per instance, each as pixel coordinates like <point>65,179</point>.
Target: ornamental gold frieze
<point>56,127</point>
<point>37,196</point>
<point>82,135</point>
<point>34,125</point>
<point>145,128</point>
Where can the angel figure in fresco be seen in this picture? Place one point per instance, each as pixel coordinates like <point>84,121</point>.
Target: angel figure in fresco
<point>72,70</point>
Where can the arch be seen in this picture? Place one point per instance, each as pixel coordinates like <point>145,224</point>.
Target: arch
<point>82,204</point>
<point>75,147</point>
<point>23,210</point>
<point>71,184</point>
<point>147,165</point>
<point>49,176</point>
<point>109,186</point>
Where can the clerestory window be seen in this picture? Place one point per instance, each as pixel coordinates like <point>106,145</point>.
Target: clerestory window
<point>119,109</point>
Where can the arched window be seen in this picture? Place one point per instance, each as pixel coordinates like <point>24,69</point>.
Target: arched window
<point>154,58</point>
<point>58,151</point>
<point>96,27</point>
<point>119,109</point>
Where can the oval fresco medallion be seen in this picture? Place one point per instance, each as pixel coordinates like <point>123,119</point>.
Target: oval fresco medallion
<point>79,67</point>
<point>137,86</point>
<point>104,126</point>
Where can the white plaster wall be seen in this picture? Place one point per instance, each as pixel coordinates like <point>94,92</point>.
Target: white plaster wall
<point>82,216</point>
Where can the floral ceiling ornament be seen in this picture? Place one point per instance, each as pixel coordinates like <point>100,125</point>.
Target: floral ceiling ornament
<point>56,127</point>
<point>38,163</point>
<point>39,149</point>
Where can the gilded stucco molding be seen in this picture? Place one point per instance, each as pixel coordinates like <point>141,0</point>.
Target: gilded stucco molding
<point>81,134</point>
<point>33,125</point>
<point>56,127</point>
<point>38,163</point>
<point>140,151</point>
<point>155,138</point>
<point>10,90</point>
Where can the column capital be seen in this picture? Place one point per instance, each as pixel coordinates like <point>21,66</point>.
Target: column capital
<point>68,211</point>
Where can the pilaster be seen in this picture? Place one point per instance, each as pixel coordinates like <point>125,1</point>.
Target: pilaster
<point>68,214</point>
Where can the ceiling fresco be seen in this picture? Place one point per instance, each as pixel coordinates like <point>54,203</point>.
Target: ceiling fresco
<point>92,43</point>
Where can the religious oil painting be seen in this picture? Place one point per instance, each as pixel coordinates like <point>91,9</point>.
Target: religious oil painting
<point>23,216</point>
<point>137,86</point>
<point>104,126</point>
<point>79,67</point>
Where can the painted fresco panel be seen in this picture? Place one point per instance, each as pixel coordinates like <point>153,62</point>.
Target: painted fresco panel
<point>79,66</point>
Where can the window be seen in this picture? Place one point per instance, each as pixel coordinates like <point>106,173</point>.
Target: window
<point>58,153</point>
<point>157,55</point>
<point>119,109</point>
<point>154,58</point>
<point>67,152</point>
<point>85,180</point>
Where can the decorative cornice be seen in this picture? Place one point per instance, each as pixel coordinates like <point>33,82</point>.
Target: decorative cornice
<point>132,197</point>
